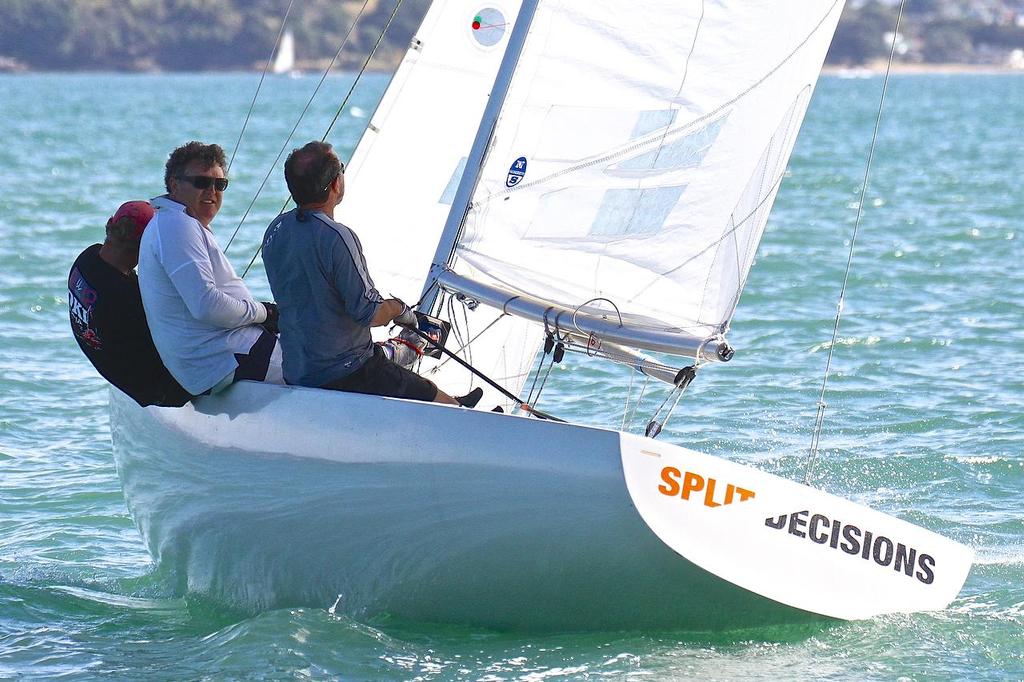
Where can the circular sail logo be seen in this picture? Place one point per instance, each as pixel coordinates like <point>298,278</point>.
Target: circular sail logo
<point>516,172</point>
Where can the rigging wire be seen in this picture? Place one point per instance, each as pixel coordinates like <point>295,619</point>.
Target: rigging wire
<point>625,407</point>
<point>252,105</point>
<point>820,418</point>
<point>463,345</point>
<point>639,400</point>
<point>295,127</point>
<point>549,345</point>
<point>470,341</point>
<point>457,329</point>
<point>555,359</point>
<point>373,50</point>
<point>683,380</point>
<point>494,384</point>
<point>341,107</point>
<point>468,346</point>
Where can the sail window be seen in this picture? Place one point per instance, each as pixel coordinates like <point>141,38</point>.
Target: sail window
<point>612,213</point>
<point>575,133</point>
<point>631,212</point>
<point>649,121</point>
<point>448,195</point>
<point>685,152</point>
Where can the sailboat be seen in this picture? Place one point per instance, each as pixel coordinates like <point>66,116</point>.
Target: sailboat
<point>560,175</point>
<point>284,60</point>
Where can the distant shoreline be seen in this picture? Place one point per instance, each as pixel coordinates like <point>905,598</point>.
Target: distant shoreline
<point>878,69</point>
<point>863,70</point>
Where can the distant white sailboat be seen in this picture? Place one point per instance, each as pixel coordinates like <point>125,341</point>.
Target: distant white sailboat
<point>284,60</point>
<point>624,162</point>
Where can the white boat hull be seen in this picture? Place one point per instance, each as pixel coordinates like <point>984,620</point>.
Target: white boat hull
<point>424,512</point>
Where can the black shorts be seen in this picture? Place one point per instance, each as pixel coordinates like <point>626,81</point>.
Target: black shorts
<point>254,364</point>
<point>380,376</point>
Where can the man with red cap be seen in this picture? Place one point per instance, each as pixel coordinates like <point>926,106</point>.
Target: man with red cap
<point>107,317</point>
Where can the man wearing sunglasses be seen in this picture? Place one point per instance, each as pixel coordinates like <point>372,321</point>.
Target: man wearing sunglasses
<point>209,329</point>
<point>318,274</point>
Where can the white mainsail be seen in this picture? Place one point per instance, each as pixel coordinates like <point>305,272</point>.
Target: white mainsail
<point>635,159</point>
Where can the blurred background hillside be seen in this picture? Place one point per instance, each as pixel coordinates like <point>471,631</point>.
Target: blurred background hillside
<point>969,32</point>
<point>200,35</point>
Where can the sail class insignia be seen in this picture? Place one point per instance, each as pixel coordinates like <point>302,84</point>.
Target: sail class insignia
<point>516,172</point>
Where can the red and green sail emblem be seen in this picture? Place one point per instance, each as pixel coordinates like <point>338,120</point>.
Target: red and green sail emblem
<point>488,26</point>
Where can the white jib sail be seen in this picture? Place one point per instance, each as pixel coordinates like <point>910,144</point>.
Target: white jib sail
<point>402,177</point>
<point>636,158</point>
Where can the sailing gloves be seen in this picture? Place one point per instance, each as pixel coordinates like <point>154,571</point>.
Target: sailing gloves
<point>270,324</point>
<point>406,318</point>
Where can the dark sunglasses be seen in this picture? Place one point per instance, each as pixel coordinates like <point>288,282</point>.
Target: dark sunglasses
<point>341,171</point>
<point>205,182</point>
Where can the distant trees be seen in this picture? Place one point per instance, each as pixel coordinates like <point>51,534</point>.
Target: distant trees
<point>934,31</point>
<point>30,30</point>
<point>191,34</point>
<point>239,34</point>
<point>860,36</point>
<point>998,35</point>
<point>948,43</point>
<point>925,7</point>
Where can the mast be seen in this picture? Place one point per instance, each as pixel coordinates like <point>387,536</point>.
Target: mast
<point>474,164</point>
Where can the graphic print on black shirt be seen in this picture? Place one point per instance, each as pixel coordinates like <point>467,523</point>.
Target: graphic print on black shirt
<point>81,299</point>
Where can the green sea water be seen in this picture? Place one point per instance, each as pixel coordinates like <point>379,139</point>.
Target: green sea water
<point>924,417</point>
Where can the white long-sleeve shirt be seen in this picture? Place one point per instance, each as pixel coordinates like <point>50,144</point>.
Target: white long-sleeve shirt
<point>199,311</point>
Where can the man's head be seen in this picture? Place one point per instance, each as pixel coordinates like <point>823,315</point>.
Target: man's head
<point>126,225</point>
<point>315,176</point>
<point>196,176</point>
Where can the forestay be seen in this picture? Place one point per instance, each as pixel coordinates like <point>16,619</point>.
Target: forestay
<point>635,159</point>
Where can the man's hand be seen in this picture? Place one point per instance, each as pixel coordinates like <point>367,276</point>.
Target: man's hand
<point>406,318</point>
<point>270,324</point>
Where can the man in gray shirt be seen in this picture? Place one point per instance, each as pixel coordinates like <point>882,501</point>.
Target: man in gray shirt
<point>326,299</point>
